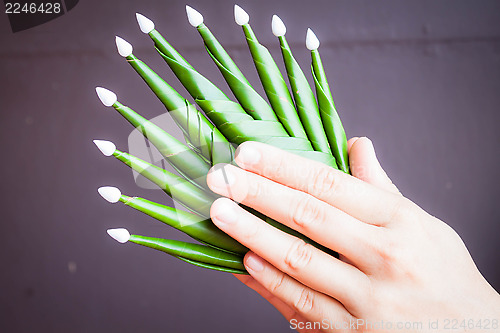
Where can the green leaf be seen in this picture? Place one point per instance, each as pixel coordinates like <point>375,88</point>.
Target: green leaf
<point>193,253</point>
<point>274,85</point>
<point>198,130</point>
<point>329,116</point>
<point>214,267</point>
<point>229,117</point>
<point>178,188</point>
<point>305,102</point>
<point>198,228</point>
<point>248,98</point>
<point>184,160</point>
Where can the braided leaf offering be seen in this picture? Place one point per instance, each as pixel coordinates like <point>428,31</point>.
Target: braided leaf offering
<point>296,121</point>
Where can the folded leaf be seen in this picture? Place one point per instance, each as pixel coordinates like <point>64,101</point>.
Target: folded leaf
<point>274,85</point>
<point>199,132</point>
<point>185,161</point>
<point>329,116</point>
<point>248,98</point>
<point>202,230</point>
<point>305,102</point>
<point>228,116</point>
<point>200,255</point>
<point>190,196</point>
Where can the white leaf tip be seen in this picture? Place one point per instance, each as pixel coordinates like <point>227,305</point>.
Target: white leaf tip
<point>240,16</point>
<point>279,28</point>
<point>120,235</point>
<point>107,97</point>
<point>145,24</point>
<point>312,42</point>
<point>107,148</point>
<point>124,48</point>
<point>110,194</point>
<point>194,17</point>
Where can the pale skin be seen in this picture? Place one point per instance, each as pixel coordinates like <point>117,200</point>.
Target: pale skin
<point>397,263</point>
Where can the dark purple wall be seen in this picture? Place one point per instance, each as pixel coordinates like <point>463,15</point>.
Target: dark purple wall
<point>421,78</point>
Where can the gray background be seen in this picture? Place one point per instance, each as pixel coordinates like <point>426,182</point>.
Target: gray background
<point>421,78</point>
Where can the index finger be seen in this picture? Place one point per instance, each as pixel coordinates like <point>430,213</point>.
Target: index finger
<point>349,194</point>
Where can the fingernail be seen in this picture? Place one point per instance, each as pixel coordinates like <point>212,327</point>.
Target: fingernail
<point>221,178</point>
<point>225,214</point>
<point>248,156</point>
<point>254,262</point>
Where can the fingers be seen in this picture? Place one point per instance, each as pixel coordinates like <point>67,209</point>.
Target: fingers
<point>362,201</point>
<point>300,211</point>
<point>287,311</point>
<point>306,302</point>
<point>364,165</point>
<point>291,255</point>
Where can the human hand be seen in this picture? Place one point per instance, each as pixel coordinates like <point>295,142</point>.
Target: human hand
<point>397,263</point>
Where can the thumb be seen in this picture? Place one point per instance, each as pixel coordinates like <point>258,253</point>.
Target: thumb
<point>365,165</point>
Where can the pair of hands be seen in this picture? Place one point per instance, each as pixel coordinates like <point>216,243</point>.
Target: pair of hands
<point>399,267</point>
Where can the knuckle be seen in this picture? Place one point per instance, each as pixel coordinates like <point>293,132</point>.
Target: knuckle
<point>298,255</point>
<point>307,211</point>
<point>277,284</point>
<point>401,211</point>
<point>363,294</point>
<point>368,242</point>
<point>251,231</point>
<point>324,181</point>
<point>305,303</point>
<point>389,250</point>
<point>275,169</point>
<point>255,189</point>
<point>357,298</point>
